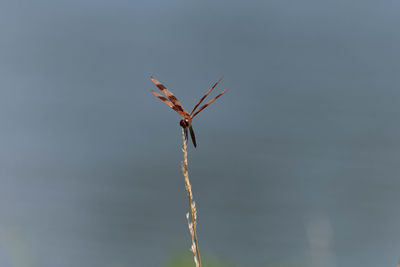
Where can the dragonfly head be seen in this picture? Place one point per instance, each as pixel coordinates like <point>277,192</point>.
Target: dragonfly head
<point>184,123</point>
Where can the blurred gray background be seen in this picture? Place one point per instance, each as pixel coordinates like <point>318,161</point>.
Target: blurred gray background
<point>298,164</point>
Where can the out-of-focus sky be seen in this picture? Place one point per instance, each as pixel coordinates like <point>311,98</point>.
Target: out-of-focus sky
<point>297,163</point>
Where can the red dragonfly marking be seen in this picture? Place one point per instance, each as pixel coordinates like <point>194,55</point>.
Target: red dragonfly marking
<point>173,102</point>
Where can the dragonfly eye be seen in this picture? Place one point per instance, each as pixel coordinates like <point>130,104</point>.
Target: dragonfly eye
<point>184,123</point>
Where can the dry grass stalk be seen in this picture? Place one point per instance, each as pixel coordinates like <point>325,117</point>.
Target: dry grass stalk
<point>192,219</point>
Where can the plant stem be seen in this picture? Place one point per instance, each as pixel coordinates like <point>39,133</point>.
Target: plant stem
<point>192,223</point>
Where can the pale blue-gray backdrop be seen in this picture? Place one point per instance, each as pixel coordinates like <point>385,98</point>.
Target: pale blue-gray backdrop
<point>298,163</point>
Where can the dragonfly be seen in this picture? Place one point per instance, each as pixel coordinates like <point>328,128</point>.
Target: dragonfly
<point>173,102</point>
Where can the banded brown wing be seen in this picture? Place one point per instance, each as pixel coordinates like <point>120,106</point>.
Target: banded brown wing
<point>169,103</point>
<point>206,105</point>
<point>170,96</point>
<point>209,91</point>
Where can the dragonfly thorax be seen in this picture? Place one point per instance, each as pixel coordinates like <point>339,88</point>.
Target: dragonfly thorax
<point>184,123</point>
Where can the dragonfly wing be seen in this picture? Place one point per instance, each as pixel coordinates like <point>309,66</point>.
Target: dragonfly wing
<point>206,105</point>
<point>170,96</point>
<point>169,103</point>
<point>209,91</point>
